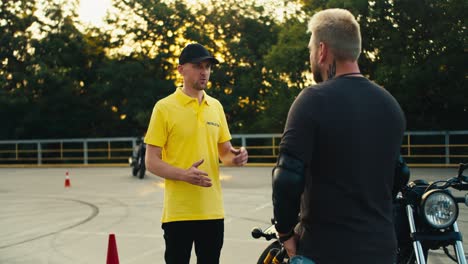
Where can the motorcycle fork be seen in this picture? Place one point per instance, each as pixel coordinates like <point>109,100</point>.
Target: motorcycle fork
<point>278,259</point>
<point>419,253</point>
<point>270,256</point>
<point>459,246</point>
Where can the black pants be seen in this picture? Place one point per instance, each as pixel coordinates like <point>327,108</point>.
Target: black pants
<point>207,235</point>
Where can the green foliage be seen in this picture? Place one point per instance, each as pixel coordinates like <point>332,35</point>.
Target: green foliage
<point>57,81</point>
<point>290,54</point>
<point>246,36</point>
<point>287,61</point>
<point>421,59</point>
<point>15,99</point>
<point>417,51</point>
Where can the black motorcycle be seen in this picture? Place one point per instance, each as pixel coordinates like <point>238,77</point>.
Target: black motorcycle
<point>137,160</point>
<point>425,219</point>
<point>274,253</point>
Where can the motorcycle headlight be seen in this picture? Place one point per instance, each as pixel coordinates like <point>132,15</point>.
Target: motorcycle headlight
<point>439,209</point>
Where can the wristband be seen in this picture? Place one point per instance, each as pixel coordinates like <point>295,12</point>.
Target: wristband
<point>286,237</point>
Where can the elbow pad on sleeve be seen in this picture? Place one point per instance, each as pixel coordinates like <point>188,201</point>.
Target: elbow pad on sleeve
<point>402,175</point>
<point>288,186</point>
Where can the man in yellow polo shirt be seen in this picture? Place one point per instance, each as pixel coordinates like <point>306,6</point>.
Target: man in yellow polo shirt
<point>187,136</point>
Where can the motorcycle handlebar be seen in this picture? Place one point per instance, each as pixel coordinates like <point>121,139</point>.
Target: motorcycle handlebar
<point>462,167</point>
<point>460,199</point>
<point>257,233</point>
<point>460,187</point>
<point>456,182</point>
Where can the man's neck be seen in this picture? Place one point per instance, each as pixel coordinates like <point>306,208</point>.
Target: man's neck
<point>194,93</point>
<point>350,68</point>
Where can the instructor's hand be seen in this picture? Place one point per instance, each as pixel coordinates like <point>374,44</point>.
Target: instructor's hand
<point>197,177</point>
<point>241,156</point>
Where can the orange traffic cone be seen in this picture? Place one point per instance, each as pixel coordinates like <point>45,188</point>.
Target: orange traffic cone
<point>67,180</point>
<point>112,254</point>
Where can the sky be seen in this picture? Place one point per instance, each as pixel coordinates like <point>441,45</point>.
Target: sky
<point>93,11</point>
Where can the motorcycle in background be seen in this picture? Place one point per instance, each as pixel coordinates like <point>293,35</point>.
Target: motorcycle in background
<point>137,160</point>
<point>425,219</point>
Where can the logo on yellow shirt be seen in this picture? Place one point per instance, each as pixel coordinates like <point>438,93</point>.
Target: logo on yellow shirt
<point>212,124</point>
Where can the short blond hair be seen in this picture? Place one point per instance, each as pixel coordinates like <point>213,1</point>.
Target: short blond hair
<point>338,29</point>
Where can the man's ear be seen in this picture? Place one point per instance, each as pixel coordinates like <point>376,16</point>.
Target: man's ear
<point>323,53</point>
<point>180,68</point>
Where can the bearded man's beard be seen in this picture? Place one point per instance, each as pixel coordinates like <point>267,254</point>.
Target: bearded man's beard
<point>317,75</point>
<point>199,87</point>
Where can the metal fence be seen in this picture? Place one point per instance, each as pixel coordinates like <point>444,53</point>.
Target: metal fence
<point>420,148</point>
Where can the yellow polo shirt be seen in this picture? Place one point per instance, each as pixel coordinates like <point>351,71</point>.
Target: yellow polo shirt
<point>187,132</point>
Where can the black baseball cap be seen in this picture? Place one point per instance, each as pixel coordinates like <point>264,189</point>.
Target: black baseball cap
<point>195,53</point>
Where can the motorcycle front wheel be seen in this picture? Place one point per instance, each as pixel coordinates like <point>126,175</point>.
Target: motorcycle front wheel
<point>134,170</point>
<point>141,172</point>
<point>274,245</point>
<point>141,165</point>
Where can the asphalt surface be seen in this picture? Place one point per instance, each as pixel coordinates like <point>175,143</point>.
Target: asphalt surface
<point>41,221</point>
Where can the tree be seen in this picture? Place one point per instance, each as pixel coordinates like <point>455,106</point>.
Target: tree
<point>421,59</point>
<point>16,17</point>
<point>244,36</point>
<point>415,50</point>
<point>239,34</point>
<point>288,61</point>
<point>59,72</point>
<point>59,81</point>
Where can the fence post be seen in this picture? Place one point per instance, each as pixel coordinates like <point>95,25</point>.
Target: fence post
<point>108,150</point>
<point>39,153</point>
<point>85,152</point>
<point>447,147</point>
<point>409,144</point>
<point>61,151</point>
<point>274,146</point>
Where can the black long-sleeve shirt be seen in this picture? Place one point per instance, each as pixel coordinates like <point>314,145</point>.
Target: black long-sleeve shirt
<point>348,132</point>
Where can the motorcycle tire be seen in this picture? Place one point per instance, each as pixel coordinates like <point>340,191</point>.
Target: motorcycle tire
<point>141,172</point>
<point>265,252</point>
<point>141,163</point>
<point>134,170</point>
